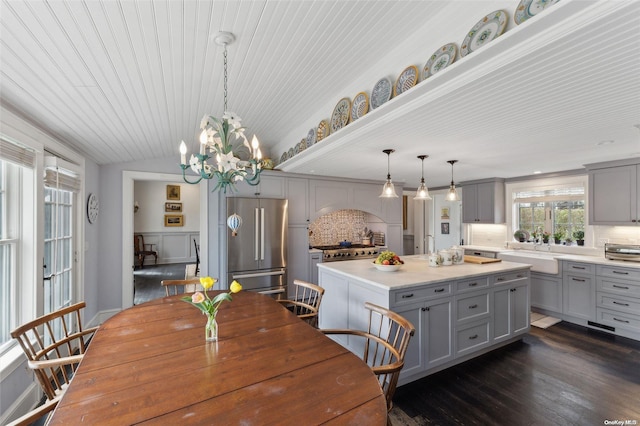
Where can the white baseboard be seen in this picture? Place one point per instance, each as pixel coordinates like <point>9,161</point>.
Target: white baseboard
<point>101,317</point>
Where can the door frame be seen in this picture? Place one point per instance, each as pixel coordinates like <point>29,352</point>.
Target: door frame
<point>128,181</point>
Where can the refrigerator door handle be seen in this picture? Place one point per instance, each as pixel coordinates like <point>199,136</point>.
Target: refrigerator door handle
<point>279,290</point>
<point>262,233</point>
<point>256,240</point>
<point>258,274</point>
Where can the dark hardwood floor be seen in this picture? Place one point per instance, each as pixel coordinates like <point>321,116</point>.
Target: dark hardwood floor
<point>562,375</point>
<point>147,280</point>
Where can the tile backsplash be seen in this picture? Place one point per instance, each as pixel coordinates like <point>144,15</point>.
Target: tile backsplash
<point>337,226</point>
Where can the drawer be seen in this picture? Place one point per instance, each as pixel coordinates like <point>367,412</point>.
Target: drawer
<point>423,293</point>
<point>621,273</point>
<point>472,307</point>
<point>583,268</point>
<point>618,303</point>
<point>509,276</point>
<point>617,286</point>
<point>472,284</point>
<point>472,338</point>
<point>618,320</point>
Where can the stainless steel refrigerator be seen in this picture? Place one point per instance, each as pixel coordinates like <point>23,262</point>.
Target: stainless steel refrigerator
<point>257,254</point>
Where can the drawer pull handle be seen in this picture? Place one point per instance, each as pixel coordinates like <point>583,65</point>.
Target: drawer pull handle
<point>438,290</point>
<point>407,296</point>
<point>473,306</point>
<point>621,286</point>
<point>519,276</point>
<point>579,267</point>
<point>620,272</point>
<point>578,279</point>
<point>473,284</point>
<point>615,302</point>
<point>619,320</point>
<point>475,336</point>
<point>500,279</point>
<point>425,309</point>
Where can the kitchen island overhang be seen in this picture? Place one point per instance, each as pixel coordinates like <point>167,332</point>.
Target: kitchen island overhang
<point>459,311</point>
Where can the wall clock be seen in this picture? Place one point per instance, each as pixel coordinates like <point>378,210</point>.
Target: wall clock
<point>92,208</point>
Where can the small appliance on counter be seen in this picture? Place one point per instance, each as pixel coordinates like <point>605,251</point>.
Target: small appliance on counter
<point>629,252</point>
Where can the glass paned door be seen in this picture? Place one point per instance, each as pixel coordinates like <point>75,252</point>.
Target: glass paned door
<point>58,248</point>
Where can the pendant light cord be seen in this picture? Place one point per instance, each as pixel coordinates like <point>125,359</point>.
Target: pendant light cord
<point>225,78</point>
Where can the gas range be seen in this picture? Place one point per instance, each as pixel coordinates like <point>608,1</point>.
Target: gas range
<point>336,252</point>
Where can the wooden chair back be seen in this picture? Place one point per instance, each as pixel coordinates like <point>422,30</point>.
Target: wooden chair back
<point>142,250</point>
<point>195,244</point>
<point>384,345</point>
<point>305,303</point>
<point>175,287</point>
<point>54,345</point>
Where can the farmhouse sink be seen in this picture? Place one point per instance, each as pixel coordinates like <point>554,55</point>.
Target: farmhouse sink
<point>540,262</point>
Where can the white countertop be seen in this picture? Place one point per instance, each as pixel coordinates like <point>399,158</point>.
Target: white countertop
<point>415,271</point>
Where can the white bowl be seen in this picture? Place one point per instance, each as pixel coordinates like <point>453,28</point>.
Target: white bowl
<point>387,268</point>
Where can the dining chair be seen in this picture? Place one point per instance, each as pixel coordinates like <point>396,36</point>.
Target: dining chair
<point>39,415</point>
<point>384,345</point>
<point>54,345</point>
<point>175,287</point>
<point>195,244</point>
<point>142,250</point>
<point>306,301</point>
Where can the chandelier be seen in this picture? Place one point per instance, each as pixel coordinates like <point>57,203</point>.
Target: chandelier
<point>225,153</point>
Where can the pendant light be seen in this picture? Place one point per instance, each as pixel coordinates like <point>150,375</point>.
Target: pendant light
<point>423,192</point>
<point>452,195</point>
<point>388,190</point>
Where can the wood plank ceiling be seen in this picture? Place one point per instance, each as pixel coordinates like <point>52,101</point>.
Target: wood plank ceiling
<point>127,80</point>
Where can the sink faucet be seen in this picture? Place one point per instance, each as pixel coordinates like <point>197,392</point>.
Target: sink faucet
<point>539,235</point>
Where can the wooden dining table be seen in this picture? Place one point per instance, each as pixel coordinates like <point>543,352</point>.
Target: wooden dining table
<point>151,364</point>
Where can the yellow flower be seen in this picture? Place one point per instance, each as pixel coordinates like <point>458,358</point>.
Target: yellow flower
<point>197,297</point>
<point>235,287</point>
<point>207,282</point>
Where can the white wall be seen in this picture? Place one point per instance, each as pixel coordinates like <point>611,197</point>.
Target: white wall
<point>151,197</point>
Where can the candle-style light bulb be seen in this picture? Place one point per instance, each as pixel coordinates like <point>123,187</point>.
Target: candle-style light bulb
<point>255,144</point>
<point>203,141</point>
<point>183,153</point>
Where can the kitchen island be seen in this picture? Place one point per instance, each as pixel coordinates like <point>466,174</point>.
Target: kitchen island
<point>459,311</point>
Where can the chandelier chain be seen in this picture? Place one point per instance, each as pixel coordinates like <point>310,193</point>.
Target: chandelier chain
<point>225,78</point>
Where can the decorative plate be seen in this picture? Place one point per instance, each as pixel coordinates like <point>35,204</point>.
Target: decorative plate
<point>323,130</point>
<point>291,153</point>
<point>441,59</point>
<point>360,106</point>
<point>381,93</point>
<point>284,157</point>
<point>302,145</point>
<point>406,80</point>
<point>311,137</point>
<point>488,28</point>
<point>530,8</point>
<point>340,116</point>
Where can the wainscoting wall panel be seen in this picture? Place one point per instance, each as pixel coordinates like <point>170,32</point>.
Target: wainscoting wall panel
<point>172,247</point>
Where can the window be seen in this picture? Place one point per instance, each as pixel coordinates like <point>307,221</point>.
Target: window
<point>558,211</point>
<point>16,235</point>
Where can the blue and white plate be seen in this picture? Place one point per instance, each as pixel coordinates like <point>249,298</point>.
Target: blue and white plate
<point>406,80</point>
<point>482,33</point>
<point>340,116</point>
<point>359,106</point>
<point>311,137</point>
<point>381,93</point>
<point>441,59</point>
<point>529,8</point>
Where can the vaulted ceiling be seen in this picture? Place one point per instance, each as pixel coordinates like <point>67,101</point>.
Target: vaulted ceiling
<point>127,80</point>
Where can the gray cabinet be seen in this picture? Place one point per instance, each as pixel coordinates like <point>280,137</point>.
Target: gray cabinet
<point>618,299</point>
<point>270,186</point>
<point>546,292</point>
<point>614,195</point>
<point>298,196</point>
<point>483,201</point>
<point>511,310</point>
<point>297,255</point>
<point>314,259</point>
<point>579,290</point>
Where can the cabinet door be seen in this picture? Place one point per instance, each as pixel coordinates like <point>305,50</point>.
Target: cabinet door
<point>501,314</point>
<point>579,296</point>
<point>546,292</point>
<point>469,203</point>
<point>439,332</point>
<point>297,256</point>
<point>520,308</point>
<point>613,196</point>
<point>414,358</point>
<point>298,196</point>
<point>327,196</point>
<point>314,259</point>
<point>485,199</point>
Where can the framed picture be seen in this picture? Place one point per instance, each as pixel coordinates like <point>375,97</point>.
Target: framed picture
<point>173,192</point>
<point>173,220</point>
<point>444,228</point>
<point>173,207</point>
<point>444,213</point>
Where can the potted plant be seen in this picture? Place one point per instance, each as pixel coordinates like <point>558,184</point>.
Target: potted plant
<point>568,241</point>
<point>545,236</point>
<point>579,236</point>
<point>519,236</point>
<point>557,236</point>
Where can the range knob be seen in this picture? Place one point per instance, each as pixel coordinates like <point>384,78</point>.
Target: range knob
<point>355,254</point>
<point>348,254</point>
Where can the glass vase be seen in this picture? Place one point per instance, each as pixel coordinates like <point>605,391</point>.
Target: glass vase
<point>211,329</point>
